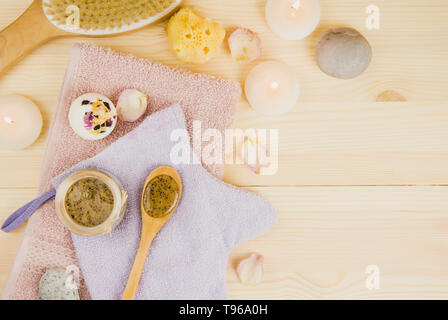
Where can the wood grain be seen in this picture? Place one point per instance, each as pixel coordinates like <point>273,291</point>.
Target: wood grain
<point>399,143</point>
<point>354,144</point>
<point>327,236</point>
<point>360,182</point>
<point>324,239</point>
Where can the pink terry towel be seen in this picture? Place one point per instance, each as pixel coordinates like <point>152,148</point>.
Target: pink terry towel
<point>47,243</point>
<point>188,257</point>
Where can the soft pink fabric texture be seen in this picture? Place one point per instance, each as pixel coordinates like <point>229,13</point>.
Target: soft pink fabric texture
<point>47,243</point>
<point>188,257</point>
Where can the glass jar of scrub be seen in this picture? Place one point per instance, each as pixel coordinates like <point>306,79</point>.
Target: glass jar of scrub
<point>90,202</point>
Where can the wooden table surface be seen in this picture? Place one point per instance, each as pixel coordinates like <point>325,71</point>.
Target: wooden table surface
<point>360,182</point>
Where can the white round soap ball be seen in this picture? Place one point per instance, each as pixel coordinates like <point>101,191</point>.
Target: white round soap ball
<point>92,116</point>
<point>343,53</point>
<point>131,105</point>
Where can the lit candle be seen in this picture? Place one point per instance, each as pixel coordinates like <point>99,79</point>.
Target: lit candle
<point>272,88</point>
<point>292,19</point>
<point>20,122</point>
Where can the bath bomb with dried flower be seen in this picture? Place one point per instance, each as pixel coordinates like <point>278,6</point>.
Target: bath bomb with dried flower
<point>245,45</point>
<point>131,105</point>
<point>92,116</point>
<point>194,39</point>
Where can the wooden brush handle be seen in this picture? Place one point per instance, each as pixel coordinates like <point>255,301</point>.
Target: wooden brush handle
<point>29,31</point>
<point>149,231</point>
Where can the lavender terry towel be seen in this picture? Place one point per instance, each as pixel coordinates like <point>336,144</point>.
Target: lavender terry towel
<point>188,257</point>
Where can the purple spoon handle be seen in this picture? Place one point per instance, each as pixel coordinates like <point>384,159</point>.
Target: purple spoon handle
<point>20,215</point>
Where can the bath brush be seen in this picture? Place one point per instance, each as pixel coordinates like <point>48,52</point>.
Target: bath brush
<point>48,19</point>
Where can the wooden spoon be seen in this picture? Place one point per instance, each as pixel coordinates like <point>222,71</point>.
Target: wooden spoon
<point>150,227</point>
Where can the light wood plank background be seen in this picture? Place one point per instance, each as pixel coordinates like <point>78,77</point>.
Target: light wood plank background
<point>360,182</point>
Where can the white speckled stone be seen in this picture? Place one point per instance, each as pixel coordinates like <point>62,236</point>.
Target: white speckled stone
<point>52,286</point>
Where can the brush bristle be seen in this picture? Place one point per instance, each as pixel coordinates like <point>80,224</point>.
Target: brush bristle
<point>105,14</point>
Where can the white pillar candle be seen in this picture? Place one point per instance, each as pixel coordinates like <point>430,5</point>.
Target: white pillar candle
<point>20,122</point>
<point>292,19</point>
<point>272,88</point>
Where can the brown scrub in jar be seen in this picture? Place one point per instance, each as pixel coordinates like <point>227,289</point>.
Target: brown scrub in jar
<point>160,196</point>
<point>89,202</point>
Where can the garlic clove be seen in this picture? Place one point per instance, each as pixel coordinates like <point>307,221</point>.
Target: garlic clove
<point>131,105</point>
<point>250,270</point>
<point>245,45</point>
<point>254,154</point>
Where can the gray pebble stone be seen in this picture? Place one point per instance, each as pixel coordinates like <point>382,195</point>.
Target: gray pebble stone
<point>343,53</point>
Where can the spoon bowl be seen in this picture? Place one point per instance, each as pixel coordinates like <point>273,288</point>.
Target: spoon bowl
<point>150,227</point>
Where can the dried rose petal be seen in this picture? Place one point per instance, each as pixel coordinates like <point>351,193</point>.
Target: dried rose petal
<point>250,270</point>
<point>88,117</point>
<point>245,45</point>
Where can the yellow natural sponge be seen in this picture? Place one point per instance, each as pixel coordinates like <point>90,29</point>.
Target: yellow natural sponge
<point>194,39</point>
